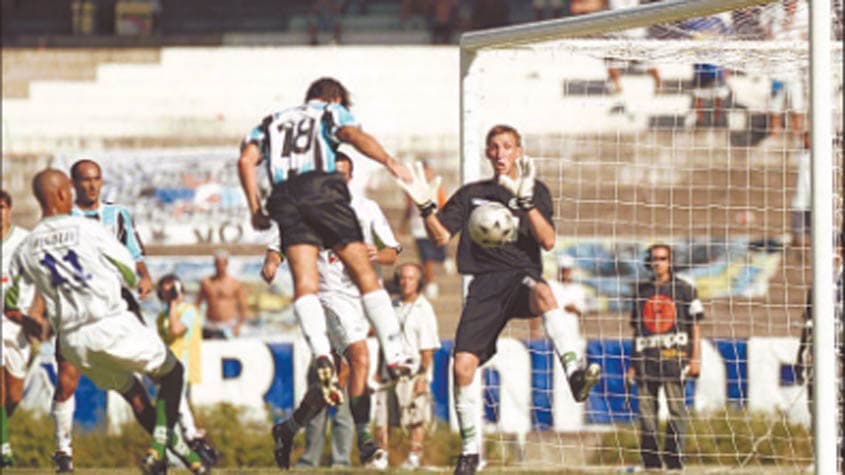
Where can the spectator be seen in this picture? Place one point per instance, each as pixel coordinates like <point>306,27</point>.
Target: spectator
<point>666,349</point>
<point>343,428</point>
<point>324,16</point>
<point>555,7</point>
<point>490,14</point>
<point>179,325</point>
<point>709,80</point>
<point>413,396</point>
<point>787,21</point>
<point>429,253</point>
<point>225,299</point>
<point>414,8</point>
<point>443,21</point>
<point>801,204</point>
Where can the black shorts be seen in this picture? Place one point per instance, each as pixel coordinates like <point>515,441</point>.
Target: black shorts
<point>313,208</point>
<point>491,301</point>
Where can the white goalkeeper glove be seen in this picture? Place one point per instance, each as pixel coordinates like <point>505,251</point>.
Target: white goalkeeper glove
<point>421,192</point>
<point>527,173</point>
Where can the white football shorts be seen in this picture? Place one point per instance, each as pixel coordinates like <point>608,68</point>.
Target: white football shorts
<point>16,349</point>
<point>346,322</point>
<point>111,350</point>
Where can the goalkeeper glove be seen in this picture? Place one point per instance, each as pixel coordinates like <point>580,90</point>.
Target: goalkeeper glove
<point>422,193</point>
<point>523,186</point>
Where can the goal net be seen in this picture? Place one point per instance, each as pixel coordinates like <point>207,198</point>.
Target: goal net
<point>690,133</point>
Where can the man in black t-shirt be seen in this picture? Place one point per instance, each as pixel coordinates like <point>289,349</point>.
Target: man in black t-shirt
<point>666,349</point>
<point>507,280</point>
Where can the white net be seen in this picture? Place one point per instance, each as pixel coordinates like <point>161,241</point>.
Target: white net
<point>692,134</point>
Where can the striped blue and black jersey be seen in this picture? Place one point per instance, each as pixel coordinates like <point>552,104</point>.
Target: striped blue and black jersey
<point>300,139</point>
<point>117,220</point>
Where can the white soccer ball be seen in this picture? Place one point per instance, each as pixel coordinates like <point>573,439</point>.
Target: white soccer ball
<point>491,224</point>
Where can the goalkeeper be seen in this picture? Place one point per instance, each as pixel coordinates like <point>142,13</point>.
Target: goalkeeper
<point>507,280</point>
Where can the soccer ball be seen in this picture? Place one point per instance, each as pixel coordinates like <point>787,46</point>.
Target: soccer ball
<point>491,224</point>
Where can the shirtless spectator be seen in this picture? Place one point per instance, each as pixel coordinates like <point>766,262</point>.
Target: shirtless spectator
<point>225,299</point>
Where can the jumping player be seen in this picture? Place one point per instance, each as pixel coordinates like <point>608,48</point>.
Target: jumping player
<point>507,280</point>
<point>347,326</point>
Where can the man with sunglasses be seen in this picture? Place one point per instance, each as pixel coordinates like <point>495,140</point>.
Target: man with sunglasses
<point>666,349</point>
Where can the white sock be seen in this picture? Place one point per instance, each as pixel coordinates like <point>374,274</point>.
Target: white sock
<point>467,404</point>
<point>383,318</point>
<point>312,321</point>
<point>562,329</point>
<point>62,413</point>
<point>186,418</point>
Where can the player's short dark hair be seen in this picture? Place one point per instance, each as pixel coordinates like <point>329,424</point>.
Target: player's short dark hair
<point>6,197</point>
<point>503,129</point>
<point>74,169</point>
<point>342,157</point>
<point>328,89</point>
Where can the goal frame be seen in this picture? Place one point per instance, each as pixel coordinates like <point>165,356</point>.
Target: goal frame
<point>821,150</point>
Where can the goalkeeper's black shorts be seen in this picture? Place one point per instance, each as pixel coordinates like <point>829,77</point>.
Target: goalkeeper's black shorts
<point>314,208</point>
<point>493,299</point>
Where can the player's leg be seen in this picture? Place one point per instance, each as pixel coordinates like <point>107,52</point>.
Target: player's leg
<point>377,306</point>
<point>64,405</point>
<point>283,432</point>
<point>15,357</point>
<point>315,430</point>
<point>562,330</point>
<point>7,458</point>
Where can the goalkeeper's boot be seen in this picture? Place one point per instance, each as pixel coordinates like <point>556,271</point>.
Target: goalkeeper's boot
<point>283,437</point>
<point>467,464</point>
<point>327,377</point>
<point>63,461</point>
<point>582,381</point>
<point>153,464</point>
<point>368,452</point>
<point>7,460</point>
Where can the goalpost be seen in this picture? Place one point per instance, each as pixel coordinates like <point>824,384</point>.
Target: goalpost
<point>710,168</point>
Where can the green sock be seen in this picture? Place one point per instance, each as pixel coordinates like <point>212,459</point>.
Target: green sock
<point>177,443</point>
<point>159,443</point>
<point>4,435</point>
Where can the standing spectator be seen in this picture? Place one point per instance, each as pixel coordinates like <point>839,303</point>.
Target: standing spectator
<point>413,396</point>
<point>88,184</point>
<point>507,280</point>
<point>710,87</point>
<point>667,349</point>
<point>347,329</point>
<point>225,298</point>
<point>801,204</point>
<point>324,16</point>
<point>16,348</point>
<point>429,253</point>
<point>310,204</point>
<point>179,325</point>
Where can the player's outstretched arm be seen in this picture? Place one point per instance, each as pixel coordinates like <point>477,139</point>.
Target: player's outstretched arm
<point>369,146</point>
<point>250,158</point>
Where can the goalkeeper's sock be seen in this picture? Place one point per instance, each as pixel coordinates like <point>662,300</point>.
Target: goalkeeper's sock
<point>383,318</point>
<point>359,407</point>
<point>467,409</point>
<point>62,413</point>
<point>312,320</point>
<point>562,329</point>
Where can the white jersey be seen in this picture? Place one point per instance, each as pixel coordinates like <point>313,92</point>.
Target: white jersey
<point>569,293</point>
<point>77,266</point>
<point>376,230</point>
<point>12,241</point>
<point>419,326</point>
